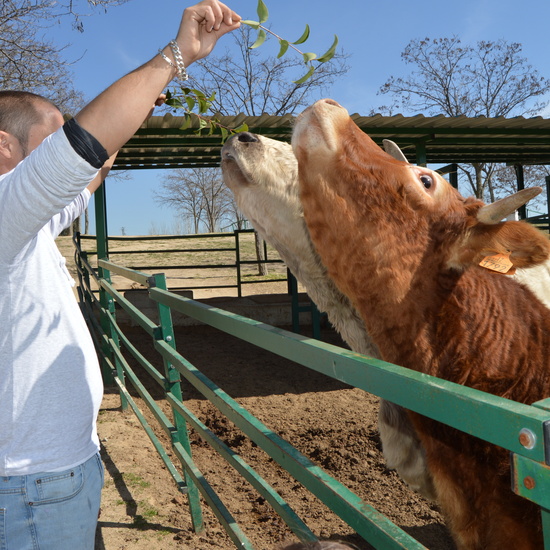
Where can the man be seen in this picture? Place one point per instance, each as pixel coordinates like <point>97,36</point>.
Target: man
<point>50,384</point>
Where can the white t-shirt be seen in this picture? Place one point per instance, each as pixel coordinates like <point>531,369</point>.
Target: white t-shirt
<point>50,382</point>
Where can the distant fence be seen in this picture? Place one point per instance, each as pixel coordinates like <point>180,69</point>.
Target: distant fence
<point>505,422</point>
<point>542,222</point>
<point>229,247</point>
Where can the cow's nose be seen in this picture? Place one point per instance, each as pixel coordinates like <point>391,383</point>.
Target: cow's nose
<point>247,137</point>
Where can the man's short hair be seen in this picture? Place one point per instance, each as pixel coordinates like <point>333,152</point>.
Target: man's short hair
<point>19,111</point>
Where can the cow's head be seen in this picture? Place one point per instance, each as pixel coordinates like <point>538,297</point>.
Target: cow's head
<point>262,173</point>
<point>250,160</point>
<point>350,185</point>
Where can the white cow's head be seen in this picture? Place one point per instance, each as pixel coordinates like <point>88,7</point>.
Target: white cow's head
<point>262,174</point>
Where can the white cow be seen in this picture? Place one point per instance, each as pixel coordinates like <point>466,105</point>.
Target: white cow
<point>262,174</point>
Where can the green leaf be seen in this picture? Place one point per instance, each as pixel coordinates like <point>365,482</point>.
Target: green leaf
<point>242,128</point>
<point>304,36</point>
<point>225,133</point>
<point>262,11</point>
<point>203,106</point>
<point>309,56</point>
<point>186,123</point>
<point>284,47</point>
<point>329,54</point>
<point>253,24</point>
<point>260,40</point>
<point>199,94</point>
<point>174,102</point>
<point>190,103</point>
<point>306,76</point>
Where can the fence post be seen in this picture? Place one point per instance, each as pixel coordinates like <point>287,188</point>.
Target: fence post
<point>81,258</point>
<point>106,301</point>
<point>173,386</point>
<point>296,308</point>
<point>238,262</point>
<point>293,291</point>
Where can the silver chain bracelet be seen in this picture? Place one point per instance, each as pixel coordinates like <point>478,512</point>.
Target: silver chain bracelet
<point>167,59</point>
<point>180,65</point>
<point>181,73</point>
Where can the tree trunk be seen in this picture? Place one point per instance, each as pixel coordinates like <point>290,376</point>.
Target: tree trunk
<point>478,167</point>
<point>260,257</point>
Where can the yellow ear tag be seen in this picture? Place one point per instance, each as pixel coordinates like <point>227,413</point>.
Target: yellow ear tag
<point>497,262</point>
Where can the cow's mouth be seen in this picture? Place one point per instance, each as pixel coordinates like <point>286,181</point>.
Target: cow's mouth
<point>228,155</point>
<point>241,141</point>
<point>234,174</point>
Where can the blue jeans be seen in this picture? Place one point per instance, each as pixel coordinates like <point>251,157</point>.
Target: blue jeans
<point>51,511</point>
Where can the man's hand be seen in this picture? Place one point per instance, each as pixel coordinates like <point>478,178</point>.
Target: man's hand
<point>113,122</point>
<point>160,101</point>
<point>201,26</point>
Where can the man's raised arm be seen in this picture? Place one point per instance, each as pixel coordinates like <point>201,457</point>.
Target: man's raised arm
<point>114,116</point>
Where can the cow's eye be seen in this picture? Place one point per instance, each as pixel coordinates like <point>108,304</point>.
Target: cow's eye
<point>427,181</point>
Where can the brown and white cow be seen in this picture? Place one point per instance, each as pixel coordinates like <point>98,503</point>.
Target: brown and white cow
<point>262,173</point>
<point>263,176</point>
<point>405,247</point>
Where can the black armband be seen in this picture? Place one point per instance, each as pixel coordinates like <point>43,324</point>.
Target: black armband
<point>85,144</point>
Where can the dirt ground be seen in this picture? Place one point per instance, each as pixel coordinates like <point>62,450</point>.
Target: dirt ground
<point>330,423</point>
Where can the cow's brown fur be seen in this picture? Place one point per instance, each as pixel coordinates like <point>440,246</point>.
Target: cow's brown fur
<point>408,259</point>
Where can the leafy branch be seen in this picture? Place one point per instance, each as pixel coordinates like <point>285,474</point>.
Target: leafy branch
<point>308,57</point>
<point>195,103</point>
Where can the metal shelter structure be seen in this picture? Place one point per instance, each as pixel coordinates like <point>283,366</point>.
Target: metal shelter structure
<point>160,143</point>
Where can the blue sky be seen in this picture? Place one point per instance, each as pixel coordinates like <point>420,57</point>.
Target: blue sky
<point>373,33</point>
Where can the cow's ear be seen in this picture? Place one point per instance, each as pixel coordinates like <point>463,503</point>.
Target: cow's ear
<point>517,244</point>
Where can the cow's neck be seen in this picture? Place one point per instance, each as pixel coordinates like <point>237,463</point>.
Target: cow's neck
<point>399,311</point>
<point>394,284</point>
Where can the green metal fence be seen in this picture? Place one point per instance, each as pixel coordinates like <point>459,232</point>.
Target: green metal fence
<point>522,429</point>
<point>228,244</point>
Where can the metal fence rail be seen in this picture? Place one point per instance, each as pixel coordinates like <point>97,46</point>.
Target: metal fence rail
<point>522,429</point>
<point>233,249</point>
<point>542,222</point>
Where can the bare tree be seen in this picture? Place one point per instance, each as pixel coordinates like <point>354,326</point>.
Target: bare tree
<point>489,79</point>
<point>216,197</point>
<point>236,217</point>
<point>254,84</point>
<point>505,181</point>
<point>197,194</point>
<point>31,62</point>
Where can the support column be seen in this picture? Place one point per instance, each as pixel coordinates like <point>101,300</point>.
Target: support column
<point>522,210</point>
<point>547,179</point>
<point>106,301</point>
<point>421,159</point>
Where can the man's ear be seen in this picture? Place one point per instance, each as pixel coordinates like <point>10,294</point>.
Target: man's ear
<point>5,144</point>
<point>524,244</point>
<point>8,145</point>
<point>10,152</point>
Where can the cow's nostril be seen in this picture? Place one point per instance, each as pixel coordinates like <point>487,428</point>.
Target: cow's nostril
<point>247,137</point>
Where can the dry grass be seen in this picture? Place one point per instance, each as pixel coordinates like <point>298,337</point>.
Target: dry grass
<point>186,261</point>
